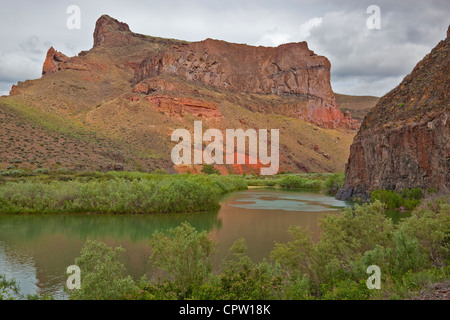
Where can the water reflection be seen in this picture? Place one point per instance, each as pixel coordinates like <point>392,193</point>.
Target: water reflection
<point>36,250</point>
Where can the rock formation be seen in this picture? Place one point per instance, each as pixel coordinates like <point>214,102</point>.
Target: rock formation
<point>290,69</point>
<point>404,141</point>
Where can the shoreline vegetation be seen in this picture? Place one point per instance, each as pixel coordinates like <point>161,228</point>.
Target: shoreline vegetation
<point>51,192</point>
<point>45,191</point>
<point>412,255</point>
<point>413,251</point>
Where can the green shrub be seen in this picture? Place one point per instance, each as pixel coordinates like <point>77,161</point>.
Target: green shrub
<point>184,254</point>
<point>7,288</point>
<point>390,198</point>
<point>209,169</point>
<point>296,182</point>
<point>14,173</point>
<point>334,183</point>
<point>102,274</point>
<point>42,171</point>
<point>409,198</point>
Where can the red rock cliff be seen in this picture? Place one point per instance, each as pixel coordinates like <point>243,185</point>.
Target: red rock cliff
<point>404,141</point>
<point>290,69</point>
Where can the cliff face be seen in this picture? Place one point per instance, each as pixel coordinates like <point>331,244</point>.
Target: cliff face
<point>290,69</point>
<point>404,141</point>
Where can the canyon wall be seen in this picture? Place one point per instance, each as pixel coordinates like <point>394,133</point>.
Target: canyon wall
<point>404,141</point>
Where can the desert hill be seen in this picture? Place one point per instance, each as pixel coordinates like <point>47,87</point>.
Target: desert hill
<point>115,106</point>
<point>358,106</point>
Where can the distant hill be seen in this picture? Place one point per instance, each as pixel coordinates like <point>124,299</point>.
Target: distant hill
<point>358,106</point>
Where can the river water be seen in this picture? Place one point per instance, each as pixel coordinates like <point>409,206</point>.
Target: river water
<point>37,249</point>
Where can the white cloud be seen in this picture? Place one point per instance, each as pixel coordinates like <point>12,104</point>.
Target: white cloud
<point>274,39</point>
<point>297,34</point>
<point>305,29</point>
<point>24,61</point>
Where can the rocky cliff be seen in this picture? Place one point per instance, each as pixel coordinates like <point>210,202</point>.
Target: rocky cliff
<point>290,69</point>
<point>404,141</point>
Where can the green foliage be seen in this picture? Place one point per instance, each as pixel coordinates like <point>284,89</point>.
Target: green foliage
<point>9,290</point>
<point>184,255</point>
<point>334,183</point>
<point>430,226</point>
<point>335,265</point>
<point>209,169</point>
<point>347,289</point>
<point>42,171</point>
<point>345,238</point>
<point>102,274</point>
<point>14,173</point>
<point>241,279</point>
<point>409,198</point>
<point>125,192</point>
<point>411,255</point>
<point>7,287</point>
<point>296,182</point>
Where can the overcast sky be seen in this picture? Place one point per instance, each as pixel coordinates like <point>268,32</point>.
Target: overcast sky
<point>364,61</point>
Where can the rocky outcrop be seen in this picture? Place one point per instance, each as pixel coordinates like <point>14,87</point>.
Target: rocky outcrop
<point>404,141</point>
<point>57,61</point>
<point>180,106</point>
<point>109,32</point>
<point>52,61</point>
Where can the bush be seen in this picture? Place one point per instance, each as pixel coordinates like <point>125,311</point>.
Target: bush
<point>185,255</point>
<point>42,171</point>
<point>7,287</point>
<point>13,173</point>
<point>410,255</point>
<point>209,169</point>
<point>390,198</point>
<point>296,182</point>
<point>334,183</point>
<point>409,198</point>
<point>102,274</point>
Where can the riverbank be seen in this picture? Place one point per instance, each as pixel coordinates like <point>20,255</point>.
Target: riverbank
<point>52,192</point>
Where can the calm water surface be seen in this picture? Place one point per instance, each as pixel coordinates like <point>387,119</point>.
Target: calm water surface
<point>36,250</point>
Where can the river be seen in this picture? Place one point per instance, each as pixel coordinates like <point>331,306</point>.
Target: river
<point>36,249</point>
